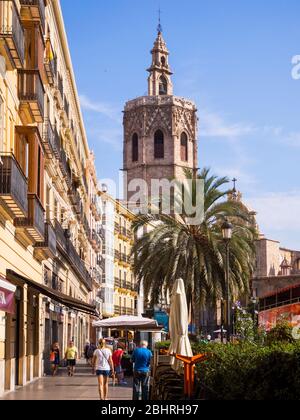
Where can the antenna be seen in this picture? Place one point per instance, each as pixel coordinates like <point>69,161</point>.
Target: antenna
<point>159,27</point>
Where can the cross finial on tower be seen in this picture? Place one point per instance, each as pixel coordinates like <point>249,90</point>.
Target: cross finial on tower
<point>159,27</point>
<point>234,184</point>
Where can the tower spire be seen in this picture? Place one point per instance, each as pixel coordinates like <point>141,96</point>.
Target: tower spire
<point>159,82</point>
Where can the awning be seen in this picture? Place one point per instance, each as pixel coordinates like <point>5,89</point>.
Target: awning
<point>59,297</point>
<point>7,292</point>
<point>129,322</point>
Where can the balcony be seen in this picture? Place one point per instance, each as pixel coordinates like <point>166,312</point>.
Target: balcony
<point>33,10</point>
<point>50,63</point>
<point>124,259</point>
<point>69,252</point>
<point>56,283</point>
<point>33,224</point>
<point>124,311</point>
<point>31,95</point>
<point>125,234</point>
<point>117,282</point>
<point>13,186</point>
<point>60,90</point>
<point>86,226</point>
<point>95,241</point>
<point>101,262</point>
<point>46,249</point>
<point>12,33</point>
<point>65,167</point>
<point>51,140</point>
<point>79,266</point>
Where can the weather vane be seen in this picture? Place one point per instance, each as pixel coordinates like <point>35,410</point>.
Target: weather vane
<point>159,27</point>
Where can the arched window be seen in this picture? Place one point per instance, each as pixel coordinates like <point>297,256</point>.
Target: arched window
<point>163,86</point>
<point>163,61</point>
<point>159,150</point>
<point>184,147</point>
<point>135,148</point>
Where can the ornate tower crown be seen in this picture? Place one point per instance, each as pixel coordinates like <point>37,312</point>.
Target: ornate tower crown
<point>159,81</point>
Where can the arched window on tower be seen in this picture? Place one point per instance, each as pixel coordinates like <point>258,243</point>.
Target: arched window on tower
<point>184,147</point>
<point>163,86</point>
<point>135,148</point>
<point>159,149</point>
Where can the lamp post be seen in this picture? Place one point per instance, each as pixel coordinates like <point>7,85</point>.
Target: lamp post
<point>227,235</point>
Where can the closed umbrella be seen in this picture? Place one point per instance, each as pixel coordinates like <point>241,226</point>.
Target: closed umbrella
<point>179,325</point>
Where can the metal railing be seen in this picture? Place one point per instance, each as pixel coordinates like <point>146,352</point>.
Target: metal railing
<point>40,4</point>
<point>72,255</point>
<point>30,88</point>
<point>51,137</point>
<point>35,218</point>
<point>50,239</point>
<point>12,28</point>
<point>13,182</point>
<point>66,106</point>
<point>60,85</point>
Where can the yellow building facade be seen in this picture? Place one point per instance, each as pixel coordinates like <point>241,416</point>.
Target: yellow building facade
<point>125,297</point>
<point>50,227</point>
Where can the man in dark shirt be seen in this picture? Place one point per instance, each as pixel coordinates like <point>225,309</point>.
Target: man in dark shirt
<point>141,358</point>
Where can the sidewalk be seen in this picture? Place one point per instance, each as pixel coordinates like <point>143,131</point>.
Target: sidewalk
<point>83,386</point>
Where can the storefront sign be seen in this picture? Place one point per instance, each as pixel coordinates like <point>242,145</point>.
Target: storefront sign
<point>7,301</point>
<point>290,313</point>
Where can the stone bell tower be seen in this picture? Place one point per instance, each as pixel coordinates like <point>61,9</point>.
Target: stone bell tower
<point>160,130</point>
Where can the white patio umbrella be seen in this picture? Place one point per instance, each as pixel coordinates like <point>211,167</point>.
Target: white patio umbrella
<point>129,322</point>
<point>179,325</point>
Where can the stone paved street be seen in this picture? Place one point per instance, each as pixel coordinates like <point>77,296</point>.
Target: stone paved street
<point>83,386</point>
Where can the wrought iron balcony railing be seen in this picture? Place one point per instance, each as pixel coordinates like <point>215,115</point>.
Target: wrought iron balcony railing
<point>31,93</point>
<point>12,32</point>
<point>49,244</point>
<point>13,186</point>
<point>33,10</point>
<point>51,140</point>
<point>34,222</point>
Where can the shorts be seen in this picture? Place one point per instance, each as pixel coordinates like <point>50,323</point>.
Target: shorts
<point>105,373</point>
<point>118,370</point>
<point>71,362</point>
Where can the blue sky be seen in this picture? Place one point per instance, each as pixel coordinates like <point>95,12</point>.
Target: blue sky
<point>234,58</point>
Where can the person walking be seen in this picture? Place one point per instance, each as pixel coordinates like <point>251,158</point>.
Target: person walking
<point>86,349</point>
<point>55,358</point>
<point>71,357</point>
<point>90,353</point>
<point>104,367</point>
<point>117,359</point>
<point>141,358</point>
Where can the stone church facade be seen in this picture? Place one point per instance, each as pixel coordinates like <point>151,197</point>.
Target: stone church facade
<point>160,129</point>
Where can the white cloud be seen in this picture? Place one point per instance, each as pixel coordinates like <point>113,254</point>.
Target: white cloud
<point>292,139</point>
<point>278,212</point>
<point>214,125</point>
<point>100,108</point>
<point>110,136</point>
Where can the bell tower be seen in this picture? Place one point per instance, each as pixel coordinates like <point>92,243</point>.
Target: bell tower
<point>159,81</point>
<point>160,129</point>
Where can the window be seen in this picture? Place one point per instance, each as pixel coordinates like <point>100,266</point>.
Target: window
<point>135,148</point>
<point>163,86</point>
<point>184,147</point>
<point>163,61</point>
<point>29,154</point>
<point>22,148</point>
<point>159,152</point>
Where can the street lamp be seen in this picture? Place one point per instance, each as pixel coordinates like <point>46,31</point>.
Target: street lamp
<point>227,235</point>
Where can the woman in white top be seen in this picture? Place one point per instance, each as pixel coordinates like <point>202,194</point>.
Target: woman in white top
<point>103,366</point>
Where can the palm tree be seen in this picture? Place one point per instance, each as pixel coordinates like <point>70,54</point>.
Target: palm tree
<point>173,249</point>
